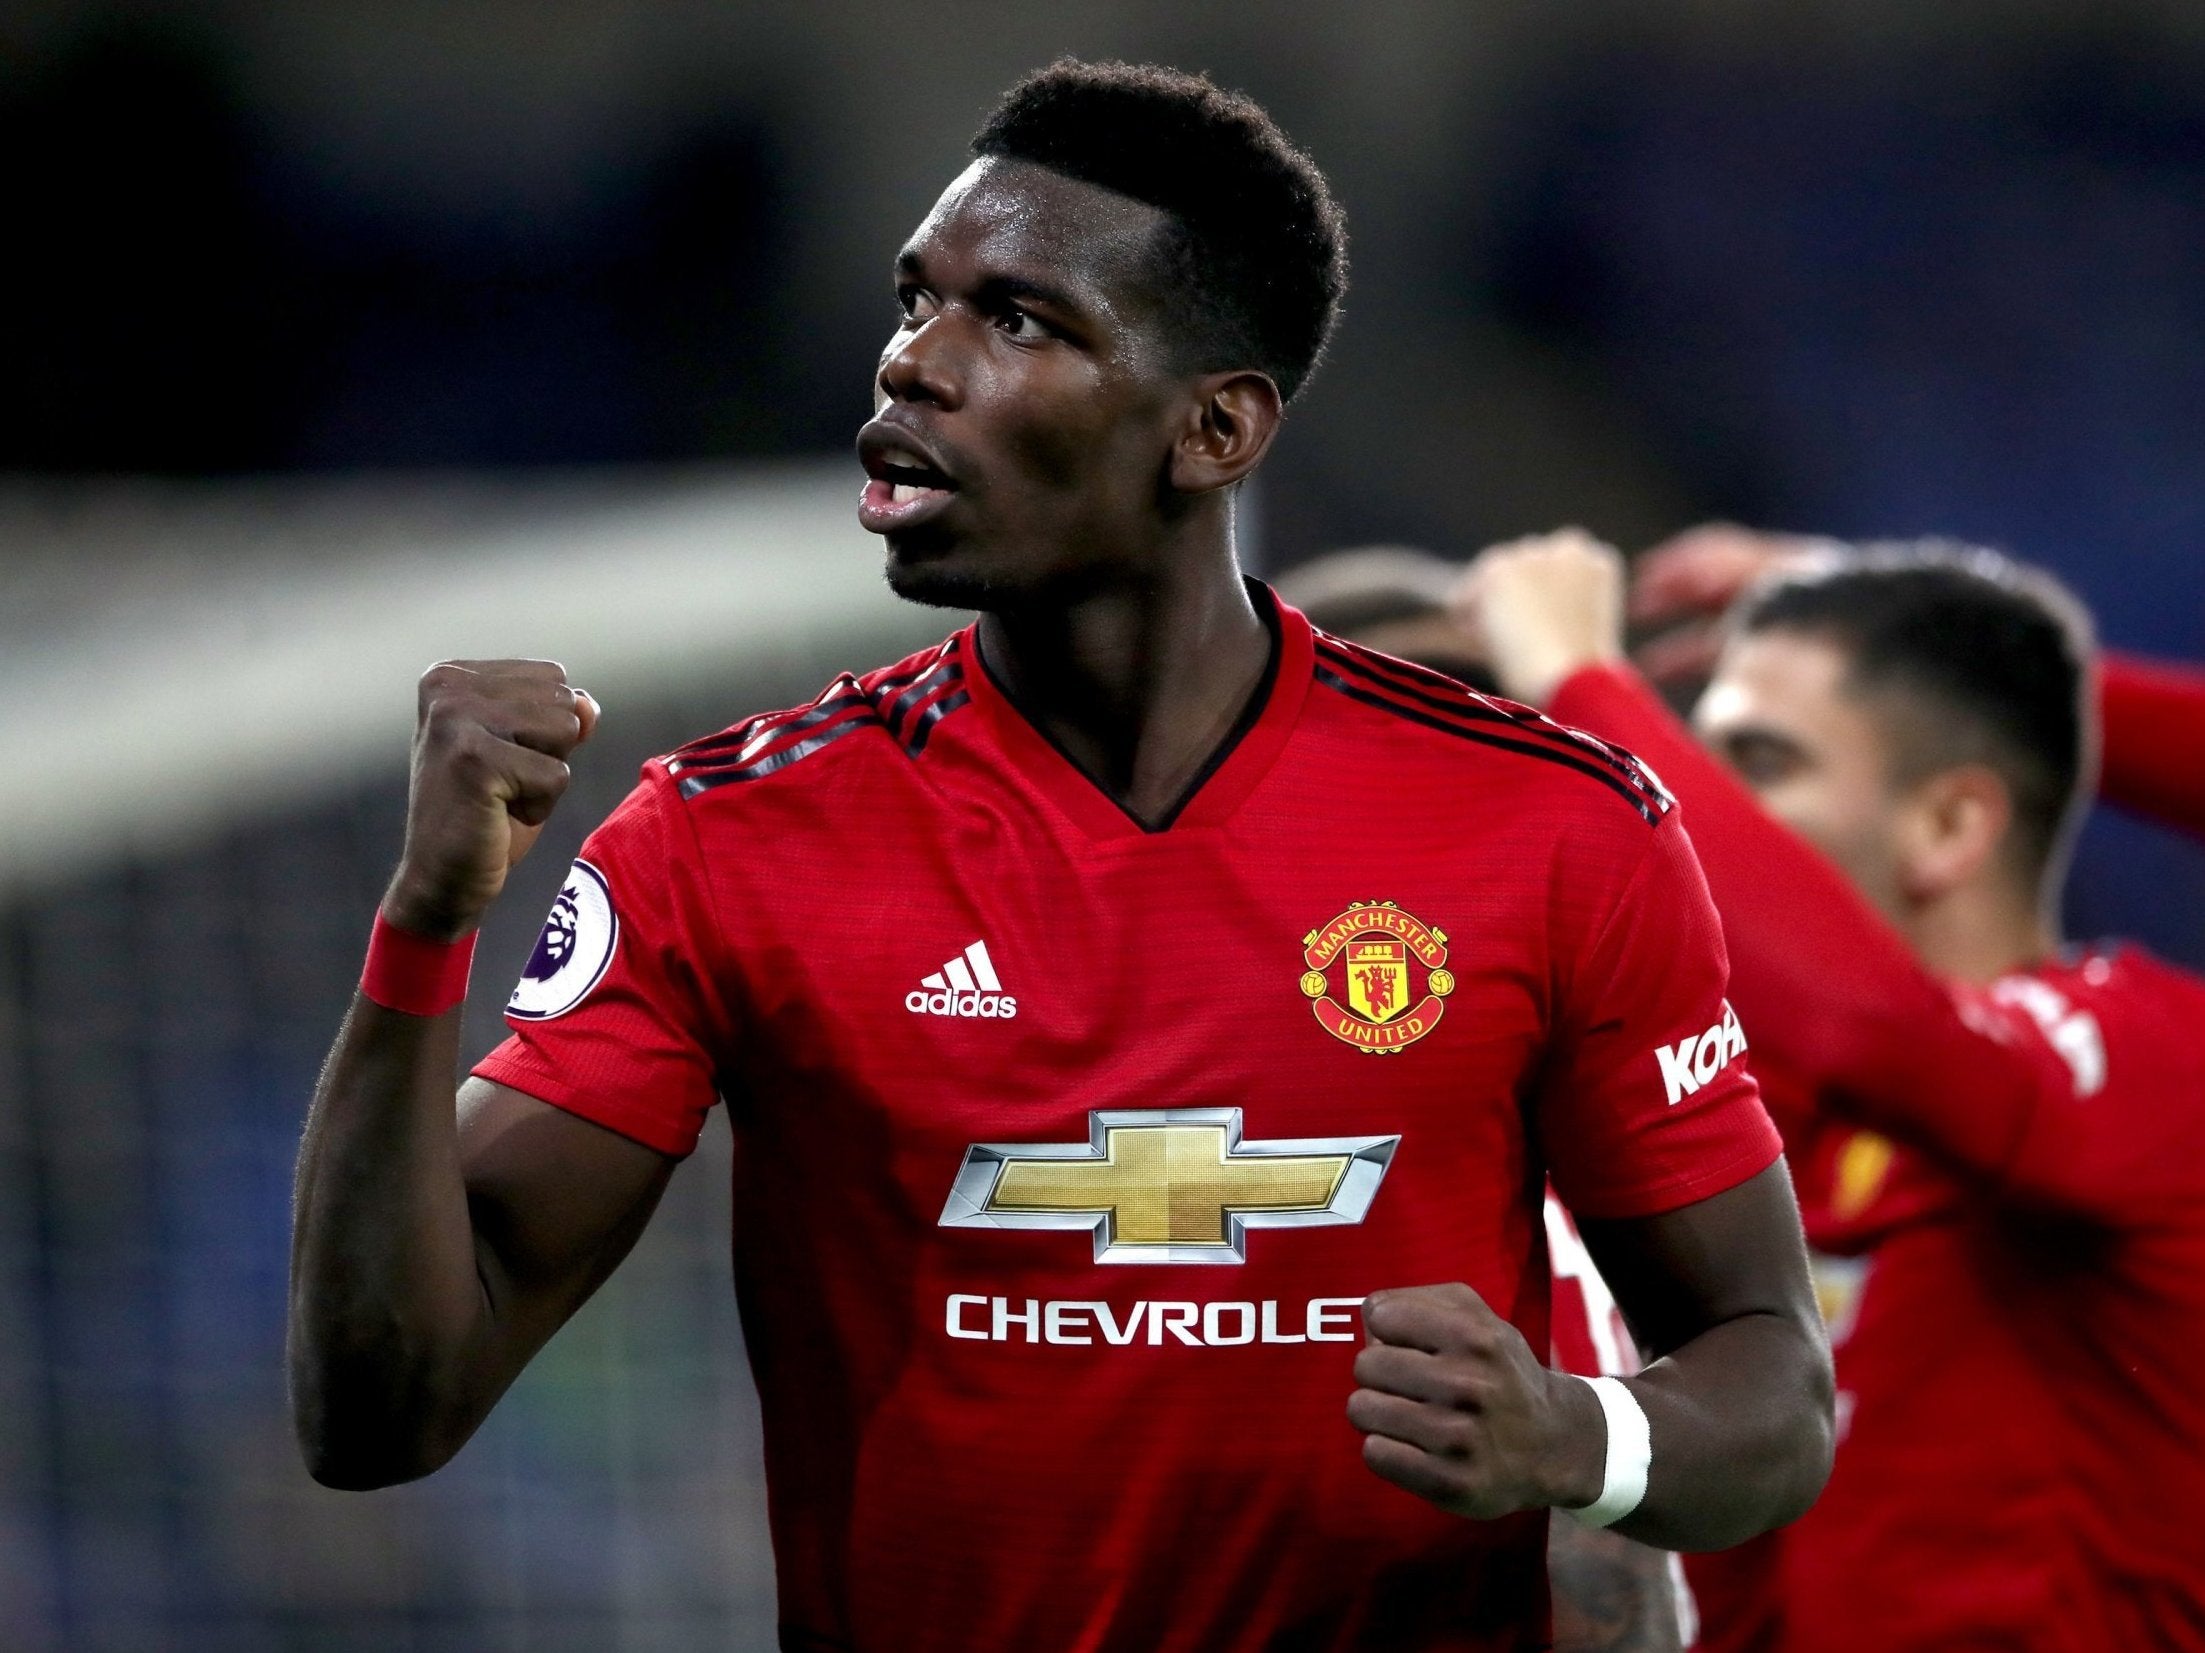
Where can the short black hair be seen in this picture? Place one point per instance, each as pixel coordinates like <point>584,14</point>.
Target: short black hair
<point>1995,657</point>
<point>1256,247</point>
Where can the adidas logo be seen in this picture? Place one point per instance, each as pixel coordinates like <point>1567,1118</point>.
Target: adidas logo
<point>965,986</point>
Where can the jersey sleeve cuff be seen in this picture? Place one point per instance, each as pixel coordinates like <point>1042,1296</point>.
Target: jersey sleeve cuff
<point>623,1118</point>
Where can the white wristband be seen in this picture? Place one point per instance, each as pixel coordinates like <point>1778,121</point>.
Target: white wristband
<point>1630,1454</point>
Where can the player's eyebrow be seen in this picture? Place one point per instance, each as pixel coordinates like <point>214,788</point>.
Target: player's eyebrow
<point>999,287</point>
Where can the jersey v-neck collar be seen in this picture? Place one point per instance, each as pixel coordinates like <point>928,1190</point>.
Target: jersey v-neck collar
<point>1231,772</point>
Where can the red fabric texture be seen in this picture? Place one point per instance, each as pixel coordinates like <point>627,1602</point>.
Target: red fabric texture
<point>954,1463</point>
<point>2023,1440</point>
<point>1740,1596</point>
<point>1588,1334</point>
<point>2154,721</point>
<point>414,974</point>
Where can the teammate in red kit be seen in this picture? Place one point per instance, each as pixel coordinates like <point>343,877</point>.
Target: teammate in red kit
<point>1855,1187</point>
<point>2022,1442</point>
<point>1119,1013</point>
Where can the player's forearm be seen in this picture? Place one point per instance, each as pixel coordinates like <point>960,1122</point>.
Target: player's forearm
<point>396,1349</point>
<point>391,1331</point>
<point>1740,1419</point>
<point>1610,1595</point>
<point>1739,1408</point>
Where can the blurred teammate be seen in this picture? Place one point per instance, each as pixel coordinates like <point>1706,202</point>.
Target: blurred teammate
<point>2024,1438</point>
<point>1109,1002</point>
<point>1854,1187</point>
<point>1610,1595</point>
<point>2151,713</point>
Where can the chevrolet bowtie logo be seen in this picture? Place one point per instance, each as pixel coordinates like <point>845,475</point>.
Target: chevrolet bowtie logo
<point>1168,1185</point>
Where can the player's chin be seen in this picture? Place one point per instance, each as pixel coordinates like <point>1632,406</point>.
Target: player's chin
<point>936,569</point>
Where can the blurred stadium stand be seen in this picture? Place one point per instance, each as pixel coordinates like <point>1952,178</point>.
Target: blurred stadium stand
<point>174,957</point>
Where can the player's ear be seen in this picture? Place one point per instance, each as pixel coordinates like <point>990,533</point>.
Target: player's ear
<point>1955,826</point>
<point>1231,419</point>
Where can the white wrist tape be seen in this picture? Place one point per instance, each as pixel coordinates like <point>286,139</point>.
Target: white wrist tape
<point>1630,1454</point>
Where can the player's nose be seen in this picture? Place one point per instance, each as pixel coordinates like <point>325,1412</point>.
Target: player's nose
<point>921,366</point>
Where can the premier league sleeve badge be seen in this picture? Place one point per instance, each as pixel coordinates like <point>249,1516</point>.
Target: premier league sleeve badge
<point>574,951</point>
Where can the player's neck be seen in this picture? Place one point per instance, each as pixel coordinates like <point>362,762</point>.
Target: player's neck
<point>1981,932</point>
<point>1138,682</point>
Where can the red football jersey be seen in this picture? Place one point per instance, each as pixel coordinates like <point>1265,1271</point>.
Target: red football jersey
<point>2050,1436</point>
<point>1066,1150</point>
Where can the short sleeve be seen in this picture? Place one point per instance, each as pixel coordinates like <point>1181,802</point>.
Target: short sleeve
<point>616,1017</point>
<point>1646,1103</point>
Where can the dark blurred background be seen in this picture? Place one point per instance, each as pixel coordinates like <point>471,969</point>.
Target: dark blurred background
<point>275,276</point>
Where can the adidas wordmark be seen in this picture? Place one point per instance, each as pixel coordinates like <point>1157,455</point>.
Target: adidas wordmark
<point>965,986</point>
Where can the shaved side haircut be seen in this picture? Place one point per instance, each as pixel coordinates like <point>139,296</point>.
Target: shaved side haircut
<point>1972,658</point>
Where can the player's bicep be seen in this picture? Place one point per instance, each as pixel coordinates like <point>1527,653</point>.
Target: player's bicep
<point>555,1200</point>
<point>1734,1254</point>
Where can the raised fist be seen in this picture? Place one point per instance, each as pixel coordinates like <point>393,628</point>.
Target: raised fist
<point>1540,608</point>
<point>489,764</point>
<point>1456,1408</point>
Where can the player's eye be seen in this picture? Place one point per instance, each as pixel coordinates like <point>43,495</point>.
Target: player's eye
<point>1023,325</point>
<point>911,305</point>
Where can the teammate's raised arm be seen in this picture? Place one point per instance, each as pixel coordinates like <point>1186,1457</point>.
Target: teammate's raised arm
<point>1978,1078</point>
<point>431,1255</point>
<point>1837,995</point>
<point>2154,757</point>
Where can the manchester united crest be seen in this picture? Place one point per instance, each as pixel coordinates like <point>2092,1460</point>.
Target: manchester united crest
<point>1376,977</point>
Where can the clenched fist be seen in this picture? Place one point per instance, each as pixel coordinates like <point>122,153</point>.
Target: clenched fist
<point>1456,1408</point>
<point>489,763</point>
